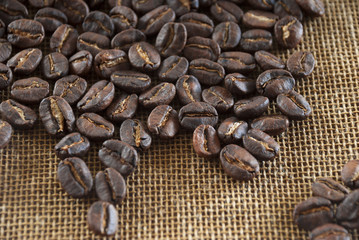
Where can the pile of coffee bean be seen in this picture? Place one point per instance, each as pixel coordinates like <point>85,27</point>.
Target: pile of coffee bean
<point>145,54</point>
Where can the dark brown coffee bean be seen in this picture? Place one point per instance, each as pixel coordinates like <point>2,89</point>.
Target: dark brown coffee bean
<point>271,124</point>
<point>268,61</point>
<point>25,33</point>
<point>288,32</point>
<point>2,28</point>
<point>251,108</point>
<point>259,19</point>
<point>206,142</point>
<point>171,39</point>
<point>197,113</point>
<point>218,97</point>
<point>350,174</point>
<point>227,35</point>
<point>329,189</point>
<point>55,66</point>
<point>188,89</point>
<point>226,11</point>
<point>75,10</point>
<point>110,61</point>
<point>5,133</point>
<point>313,8</point>
<point>237,62</point>
<point>72,145</point>
<point>131,81</point>
<point>232,130</point>
<point>71,88</point>
<point>239,84</point>
<point>293,105</point>
<point>95,127</point>
<point>199,47</point>
<point>41,3</point>
<point>163,122</point>
<point>197,24</point>
<point>92,42</point>
<point>329,232</point>
<point>273,82</point>
<point>144,57</point>
<point>206,3</point>
<point>262,4</point>
<point>146,6</point>
<point>301,64</point>
<point>123,107</point>
<point>152,22</point>
<point>135,133</point>
<point>26,61</point>
<point>95,3</point>
<point>261,145</point>
<point>206,71</point>
<point>102,218</point>
<point>114,3</point>
<point>161,94</point>
<point>182,7</point>
<point>125,39</point>
<point>173,68</point>
<point>110,186</point>
<point>98,22</point>
<point>30,90</point>
<point>80,63</point>
<point>18,115</point>
<point>284,8</point>
<point>238,163</point>
<point>255,40</point>
<point>5,50</point>
<point>123,18</point>
<point>50,18</point>
<point>64,39</point>
<point>5,76</point>
<point>98,97</point>
<point>347,212</point>
<point>11,10</point>
<point>313,212</point>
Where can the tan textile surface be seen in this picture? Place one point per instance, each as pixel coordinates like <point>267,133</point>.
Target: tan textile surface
<point>176,195</point>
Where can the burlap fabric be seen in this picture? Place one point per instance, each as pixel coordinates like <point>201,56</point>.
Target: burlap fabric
<point>176,195</point>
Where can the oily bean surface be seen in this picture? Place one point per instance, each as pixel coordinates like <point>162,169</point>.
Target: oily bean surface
<point>231,130</point>
<point>237,62</point>
<point>131,81</point>
<point>144,57</point>
<point>6,76</point>
<point>172,68</point>
<point>95,127</point>
<point>72,145</point>
<point>197,113</point>
<point>30,90</point>
<point>110,186</point>
<point>98,22</point>
<point>347,212</point>
<point>268,61</point>
<point>102,218</point>
<point>329,189</point>
<point>92,42</point>
<point>153,21</point>
<point>255,40</point>
<point>273,82</point>
<point>75,10</point>
<point>206,71</point>
<point>301,64</point>
<point>199,47</point>
<point>206,142</point>
<point>288,32</point>
<point>125,39</point>
<point>350,174</point>
<point>329,231</point>
<point>259,19</point>
<point>239,84</point>
<point>110,61</point>
<point>5,133</point>
<point>5,50</point>
<point>26,61</point>
<point>251,108</point>
<point>163,122</point>
<point>64,39</point>
<point>227,35</point>
<point>50,18</point>
<point>54,66</point>
<point>123,18</point>
<point>197,24</point>
<point>188,89</point>
<point>25,33</point>
<point>218,97</point>
<point>81,63</point>
<point>294,105</point>
<point>161,94</point>
<point>135,133</point>
<point>271,124</point>
<point>123,107</point>
<point>171,39</point>
<point>71,88</point>
<point>260,145</point>
<point>18,115</point>
<point>224,11</point>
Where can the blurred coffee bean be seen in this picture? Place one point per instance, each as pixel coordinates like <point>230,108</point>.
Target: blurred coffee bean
<point>102,218</point>
<point>109,61</point>
<point>50,18</point>
<point>114,3</point>
<point>171,39</point>
<point>2,28</point>
<point>55,66</point>
<point>152,22</point>
<point>81,63</point>
<point>237,62</point>
<point>350,174</point>
<point>329,189</point>
<point>271,124</point>
<point>268,61</point>
<point>231,130</point>
<point>6,76</point>
<point>30,90</point>
<point>71,88</point>
<point>227,35</point>
<point>135,133</point>
<point>218,97</point>
<point>144,57</point>
<point>92,42</point>
<point>11,10</point>
<point>197,113</point>
<point>18,115</point>
<point>98,22</point>
<point>146,6</point>
<point>284,8</point>
<point>255,40</point>
<point>293,105</point>
<point>5,50</point>
<point>26,61</point>
<point>301,64</point>
<point>251,108</point>
<point>41,3</point>
<point>206,71</point>
<point>5,133</point>
<point>161,94</point>
<point>163,122</point>
<point>226,11</point>
<point>75,10</point>
<point>95,3</point>
<point>188,89</point>
<point>262,4</point>
<point>314,8</point>
<point>199,47</point>
<point>123,107</point>
<point>125,39</point>
<point>206,142</point>
<point>25,33</point>
<point>123,18</point>
<point>95,127</point>
<point>110,186</point>
<point>182,7</point>
<point>329,232</point>
<point>131,81</point>
<point>64,39</point>
<point>173,68</point>
<point>288,32</point>
<point>197,24</point>
<point>261,145</point>
<point>347,212</point>
<point>273,82</point>
<point>259,19</point>
<point>239,84</point>
<point>72,145</point>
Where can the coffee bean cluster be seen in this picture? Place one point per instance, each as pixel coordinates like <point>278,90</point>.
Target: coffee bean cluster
<point>210,55</point>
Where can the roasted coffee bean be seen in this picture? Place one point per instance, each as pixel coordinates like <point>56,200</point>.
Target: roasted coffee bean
<point>251,108</point>
<point>75,177</point>
<point>98,22</point>
<point>188,89</point>
<point>55,66</point>
<point>262,4</point>
<point>75,10</point>
<point>163,122</point>
<point>144,57</point>
<point>197,113</point>
<point>92,42</point>
<point>125,39</point>
<point>5,76</point>
<point>227,35</point>
<point>238,163</point>
<point>131,81</point>
<point>71,88</point>
<point>98,97</point>
<point>102,218</point>
<point>171,39</point>
<point>226,11</point>
<point>206,71</point>
<point>64,39</point>
<point>5,50</point>
<point>50,18</point>
<point>26,61</point>
<point>313,212</point>
<point>95,127</point>
<point>347,212</point>
<point>197,24</point>
<point>5,133</point>
<point>182,7</point>
<point>314,8</point>
<point>259,19</point>
<point>119,155</point>
<point>261,145</point>
<point>173,68</point>
<point>255,40</point>
<point>41,3</point>
<point>57,116</point>
<point>231,130</point>
<point>160,94</point>
<point>152,22</point>
<point>329,189</point>
<point>30,90</point>
<point>293,105</point>
<point>239,84</point>
<point>123,18</point>
<point>134,132</point>
<point>80,63</point>
<point>206,142</point>
<point>284,8</point>
<point>146,6</point>
<point>268,61</point>
<point>329,232</point>
<point>288,32</point>
<point>114,3</point>
<point>25,33</point>
<point>95,3</point>
<point>237,62</point>
<point>350,174</point>
<point>72,145</point>
<point>11,10</point>
<point>2,28</point>
<point>218,97</point>
<point>199,47</point>
<point>206,3</point>
<point>123,107</point>
<point>271,124</point>
<point>18,115</point>
<point>110,61</point>
<point>110,186</point>
<point>301,64</point>
<point>273,82</point>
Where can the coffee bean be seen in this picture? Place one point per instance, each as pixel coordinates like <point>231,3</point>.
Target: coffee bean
<point>144,57</point>
<point>231,130</point>
<point>146,6</point>
<point>206,3</point>
<point>75,10</point>
<point>329,189</point>
<point>329,232</point>
<point>72,145</point>
<point>262,4</point>
<point>123,107</point>
<point>268,61</point>
<point>114,3</point>
<point>110,186</point>
<point>188,89</point>
<point>199,47</point>
<point>314,8</point>
<point>5,133</point>
<point>261,145</point>
<point>227,35</point>
<point>163,122</point>
<point>18,115</point>
<point>131,81</point>
<point>92,42</point>
<point>30,90</point>
<point>25,33</point>
<point>173,68</point>
<point>26,61</point>
<point>95,127</point>
<point>41,3</point>
<point>160,94</point>
<point>301,64</point>
<point>125,39</point>
<point>206,142</point>
<point>152,22</point>
<point>238,163</point>
<point>251,108</point>
<point>218,97</point>
<point>81,63</point>
<point>284,8</point>
<point>239,84</point>
<point>350,174</point>
<point>260,19</point>
<point>273,82</point>
<point>98,97</point>
<point>55,66</point>
<point>197,24</point>
<point>109,61</point>
<point>102,218</point>
<point>171,39</point>
<point>98,22</point>
<point>2,28</point>
<point>197,113</point>
<point>71,88</point>
<point>64,39</point>
<point>134,132</point>
<point>95,3</point>
<point>288,32</point>
<point>11,10</point>
<point>347,212</point>
<point>237,62</point>
<point>313,212</point>
<point>182,7</point>
<point>293,105</point>
<point>50,18</point>
<point>255,40</point>
<point>5,76</point>
<point>5,50</point>
<point>271,124</point>
<point>123,18</point>
<point>206,71</point>
<point>226,11</point>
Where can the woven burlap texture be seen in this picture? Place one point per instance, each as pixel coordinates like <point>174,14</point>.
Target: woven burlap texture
<point>176,195</point>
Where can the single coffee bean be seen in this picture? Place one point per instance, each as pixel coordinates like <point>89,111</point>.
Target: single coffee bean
<point>226,11</point>
<point>64,39</point>
<point>238,163</point>
<point>197,24</point>
<point>232,130</point>
<point>102,218</point>
<point>11,10</point>
<point>123,18</point>
<point>260,19</point>
<point>237,62</point>
<point>227,35</point>
<point>347,212</point>
<point>239,84</point>
<point>146,6</point>
<point>114,3</point>
<point>123,107</point>
<point>268,61</point>
<point>182,7</point>
<point>41,3</point>
<point>255,40</point>
<point>18,115</point>
<point>329,232</point>
<point>50,18</point>
<point>92,42</point>
<point>98,22</point>
<point>171,39</point>
<point>71,88</point>
<point>134,132</point>
<point>110,186</point>
<point>350,174</point>
<point>199,47</point>
<point>163,122</point>
<point>98,97</point>
<point>329,189</point>
<point>262,4</point>
<point>81,63</point>
<point>288,32</point>
<point>273,82</point>
<point>5,133</point>
<point>314,8</point>
<point>110,61</point>
<point>55,66</point>
<point>206,142</point>
<point>152,21</point>
<point>206,71</point>
<point>72,145</point>
<point>26,61</point>
<point>284,8</point>
<point>301,64</point>
<point>197,113</point>
<point>251,108</point>
<point>31,90</point>
<point>293,105</point>
<point>75,10</point>
<point>144,57</point>
<point>218,97</point>
<point>95,127</point>
<point>5,50</point>
<point>173,68</point>
<point>188,89</point>
<point>125,39</point>
<point>261,145</point>
<point>313,212</point>
<point>6,76</point>
<point>131,81</point>
<point>57,116</point>
<point>160,94</point>
<point>25,33</point>
<point>271,124</point>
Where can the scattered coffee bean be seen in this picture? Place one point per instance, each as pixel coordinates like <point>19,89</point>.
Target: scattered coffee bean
<point>260,19</point>
<point>5,50</point>
<point>102,218</point>
<point>237,62</point>
<point>131,81</point>
<point>262,4</point>
<point>199,47</point>
<point>284,8</point>
<point>125,39</point>
<point>64,39</point>
<point>288,32</point>
<point>71,88</point>
<point>50,18</point>
<point>232,130</point>
<point>255,40</point>
<point>30,90</point>
<point>134,132</point>
<point>173,68</point>
<point>251,108</point>
<point>268,61</point>
<point>227,35</point>
<point>271,124</point>
<point>98,22</point>
<point>273,82</point>
<point>347,212</point>
<point>197,24</point>
<point>329,189</point>
<point>350,174</point>
<point>81,63</point>
<point>144,57</point>
<point>197,113</point>
<point>11,10</point>
<point>109,61</point>
<point>206,142</point>
<point>314,8</point>
<point>293,105</point>
<point>182,7</point>
<point>95,127</point>
<point>5,133</point>
<point>55,66</point>
<point>75,10</point>
<point>146,6</point>
<point>239,84</point>
<point>110,186</point>
<point>6,76</point>
<point>18,115</point>
<point>72,145</point>
<point>123,18</point>
<point>301,64</point>
<point>226,11</point>
<point>26,61</point>
<point>171,39</point>
<point>188,89</point>
<point>163,122</point>
<point>92,42</point>
<point>218,97</point>
<point>206,71</point>
<point>25,33</point>
<point>329,232</point>
<point>41,3</point>
<point>160,94</point>
<point>123,107</point>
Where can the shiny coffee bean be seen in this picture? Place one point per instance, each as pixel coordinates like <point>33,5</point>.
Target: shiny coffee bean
<point>18,115</point>
<point>25,33</point>
<point>199,47</point>
<point>314,8</point>
<point>81,63</point>
<point>293,105</point>
<point>237,62</point>
<point>197,113</point>
<point>218,97</point>
<point>262,4</point>
<point>163,122</point>
<point>131,81</point>
<point>71,88</point>
<point>171,39</point>
<point>273,82</point>
<point>64,39</point>
<point>347,212</point>
<point>288,32</point>
<point>6,76</point>
<point>261,145</point>
<point>271,124</point>
<point>26,61</point>
<point>11,10</point>
<point>161,94</point>
<point>125,39</point>
<point>50,18</point>
<point>197,24</point>
<point>284,8</point>
<point>268,61</point>
<point>95,127</point>
<point>226,11</point>
<point>329,189</point>
<point>231,130</point>
<point>260,19</point>
<point>98,22</point>
<point>206,142</point>
<point>206,71</point>
<point>255,40</point>
<point>173,68</point>
<point>182,7</point>
<point>41,3</point>
<point>350,174</point>
<point>54,66</point>
<point>123,18</point>
<point>109,61</point>
<point>114,3</point>
<point>110,186</point>
<point>144,57</point>
<point>92,42</point>
<point>239,84</point>
<point>5,50</point>
<point>31,90</point>
<point>72,145</point>
<point>152,21</point>
<point>301,64</point>
<point>75,10</point>
<point>123,107</point>
<point>102,218</point>
<point>188,89</point>
<point>146,6</point>
<point>329,232</point>
<point>227,35</point>
<point>5,133</point>
<point>251,108</point>
<point>135,133</point>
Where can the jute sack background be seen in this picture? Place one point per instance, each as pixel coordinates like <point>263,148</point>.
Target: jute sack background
<point>176,195</point>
